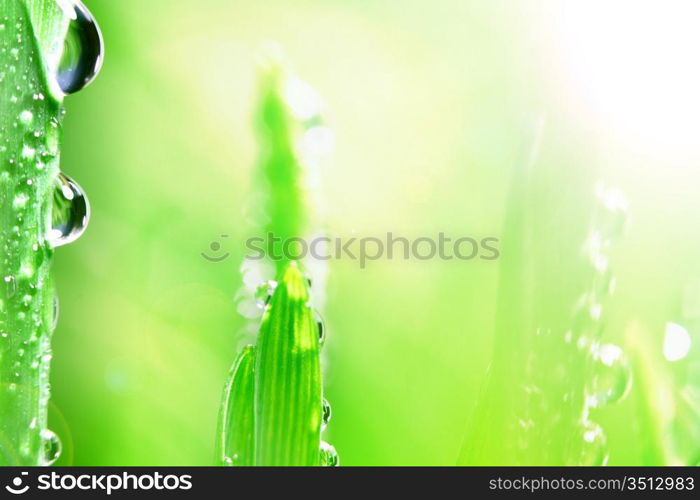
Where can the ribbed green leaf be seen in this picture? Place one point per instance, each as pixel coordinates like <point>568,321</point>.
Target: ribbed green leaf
<point>288,377</point>
<point>237,424</point>
<point>31,35</point>
<point>50,24</point>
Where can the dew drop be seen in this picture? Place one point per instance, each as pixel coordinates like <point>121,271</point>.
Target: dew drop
<point>26,117</point>
<point>264,292</point>
<point>329,457</point>
<point>321,327</point>
<point>51,447</point>
<point>82,50</point>
<point>20,201</point>
<point>594,450</point>
<point>11,285</point>
<point>612,376</point>
<point>71,212</point>
<point>56,309</point>
<point>28,152</point>
<point>326,414</point>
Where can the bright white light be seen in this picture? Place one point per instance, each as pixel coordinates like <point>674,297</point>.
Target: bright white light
<point>68,8</point>
<point>632,65</point>
<point>302,98</point>
<point>613,199</point>
<point>318,141</point>
<point>610,354</point>
<point>676,342</point>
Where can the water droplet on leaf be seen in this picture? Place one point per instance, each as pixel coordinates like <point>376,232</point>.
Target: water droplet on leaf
<point>326,414</point>
<point>612,376</point>
<point>11,285</point>
<point>82,51</point>
<point>329,457</point>
<point>51,447</point>
<point>321,328</point>
<point>56,309</point>
<point>594,450</point>
<point>71,212</point>
<point>26,117</point>
<point>264,292</point>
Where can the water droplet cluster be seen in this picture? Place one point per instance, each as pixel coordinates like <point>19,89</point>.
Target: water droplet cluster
<point>609,376</point>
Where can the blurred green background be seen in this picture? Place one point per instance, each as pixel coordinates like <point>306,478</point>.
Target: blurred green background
<point>434,105</point>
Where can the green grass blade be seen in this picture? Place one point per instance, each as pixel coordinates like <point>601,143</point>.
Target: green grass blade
<point>236,426</point>
<point>287,374</point>
<point>288,377</point>
<point>30,126</point>
<point>50,24</point>
<point>653,397</point>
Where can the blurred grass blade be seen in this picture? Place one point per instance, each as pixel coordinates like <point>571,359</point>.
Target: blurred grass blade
<point>279,163</point>
<point>288,377</point>
<point>492,410</point>
<point>546,376</point>
<point>237,425</point>
<point>654,397</point>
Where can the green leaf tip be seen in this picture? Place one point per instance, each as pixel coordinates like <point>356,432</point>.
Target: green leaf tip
<point>288,377</point>
<point>287,401</point>
<point>236,425</point>
<point>272,405</point>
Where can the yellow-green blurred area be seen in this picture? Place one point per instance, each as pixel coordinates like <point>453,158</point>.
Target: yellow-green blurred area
<point>434,104</point>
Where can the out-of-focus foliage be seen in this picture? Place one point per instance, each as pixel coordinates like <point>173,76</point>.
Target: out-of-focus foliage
<point>434,104</point>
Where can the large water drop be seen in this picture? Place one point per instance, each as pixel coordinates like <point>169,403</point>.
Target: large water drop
<point>70,214</point>
<point>82,50</point>
<point>51,447</point>
<point>329,457</point>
